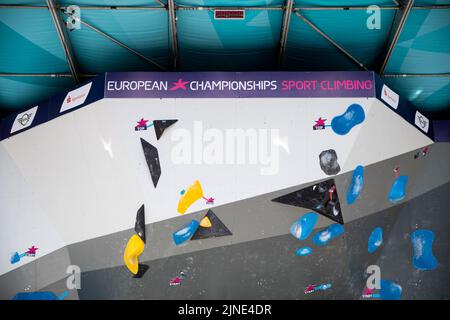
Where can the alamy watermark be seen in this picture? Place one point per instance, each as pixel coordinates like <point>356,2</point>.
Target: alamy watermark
<point>74,280</point>
<point>239,146</point>
<point>374,19</point>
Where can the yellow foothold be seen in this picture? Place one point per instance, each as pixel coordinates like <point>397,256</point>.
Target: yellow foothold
<point>193,193</point>
<point>134,248</point>
<point>206,223</point>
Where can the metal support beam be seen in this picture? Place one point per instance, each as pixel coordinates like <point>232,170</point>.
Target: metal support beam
<point>285,30</point>
<point>276,8</point>
<point>122,45</point>
<point>205,8</point>
<point>416,75</point>
<point>173,32</point>
<point>341,49</point>
<point>340,8</point>
<point>397,27</point>
<point>61,30</point>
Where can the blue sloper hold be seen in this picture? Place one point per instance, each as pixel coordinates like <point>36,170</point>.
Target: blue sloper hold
<point>185,233</point>
<point>353,116</point>
<point>355,188</point>
<point>375,240</point>
<point>303,251</point>
<point>398,190</point>
<point>390,290</point>
<point>39,295</point>
<point>422,243</point>
<point>302,228</point>
<point>321,238</point>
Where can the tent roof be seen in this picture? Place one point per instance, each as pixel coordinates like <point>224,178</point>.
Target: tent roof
<point>37,61</point>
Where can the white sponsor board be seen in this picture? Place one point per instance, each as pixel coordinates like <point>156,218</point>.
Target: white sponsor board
<point>422,122</point>
<point>24,119</point>
<point>76,97</point>
<point>389,96</point>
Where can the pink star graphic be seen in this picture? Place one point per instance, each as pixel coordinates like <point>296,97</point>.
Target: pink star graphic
<point>320,122</point>
<point>367,291</point>
<point>180,84</point>
<point>32,250</point>
<point>209,200</point>
<point>142,123</point>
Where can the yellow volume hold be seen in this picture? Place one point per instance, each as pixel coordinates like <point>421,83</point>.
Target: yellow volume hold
<point>133,250</point>
<point>206,223</point>
<point>194,193</point>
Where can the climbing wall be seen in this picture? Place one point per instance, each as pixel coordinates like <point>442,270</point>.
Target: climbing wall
<point>223,197</point>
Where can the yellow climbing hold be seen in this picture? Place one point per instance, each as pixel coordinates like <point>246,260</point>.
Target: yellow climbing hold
<point>134,248</point>
<point>206,223</point>
<point>194,193</point>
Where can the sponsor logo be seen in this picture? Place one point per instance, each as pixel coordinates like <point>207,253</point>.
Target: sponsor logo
<point>389,96</point>
<point>16,257</point>
<point>24,119</point>
<point>320,124</point>
<point>76,97</point>
<point>142,125</point>
<point>180,84</point>
<point>369,294</point>
<point>313,288</point>
<point>422,122</point>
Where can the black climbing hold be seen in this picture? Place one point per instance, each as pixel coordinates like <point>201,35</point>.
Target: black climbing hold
<point>139,226</point>
<point>321,197</point>
<point>161,125</point>
<point>142,269</point>
<point>152,158</point>
<point>217,229</point>
<point>328,162</point>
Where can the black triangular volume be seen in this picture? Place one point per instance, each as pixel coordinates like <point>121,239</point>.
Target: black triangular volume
<point>217,229</point>
<point>317,198</point>
<point>152,158</point>
<point>161,125</point>
<point>139,226</point>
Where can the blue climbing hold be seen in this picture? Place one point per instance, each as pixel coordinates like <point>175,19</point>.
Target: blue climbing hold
<point>40,295</point>
<point>185,233</point>
<point>390,290</point>
<point>353,116</point>
<point>15,257</point>
<point>398,190</point>
<point>182,192</point>
<point>303,251</point>
<point>302,228</point>
<point>321,238</point>
<point>375,240</point>
<point>422,242</point>
<point>355,188</point>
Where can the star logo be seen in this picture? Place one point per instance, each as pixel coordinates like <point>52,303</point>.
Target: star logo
<point>32,250</point>
<point>141,125</point>
<point>320,122</point>
<point>180,84</point>
<point>209,200</point>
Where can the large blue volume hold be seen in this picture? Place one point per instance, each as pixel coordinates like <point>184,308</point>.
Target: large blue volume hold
<point>422,242</point>
<point>355,188</point>
<point>185,233</point>
<point>398,190</point>
<point>353,116</point>
<point>302,228</point>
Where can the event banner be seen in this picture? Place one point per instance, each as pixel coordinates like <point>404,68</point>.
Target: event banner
<point>160,85</point>
<point>239,85</point>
